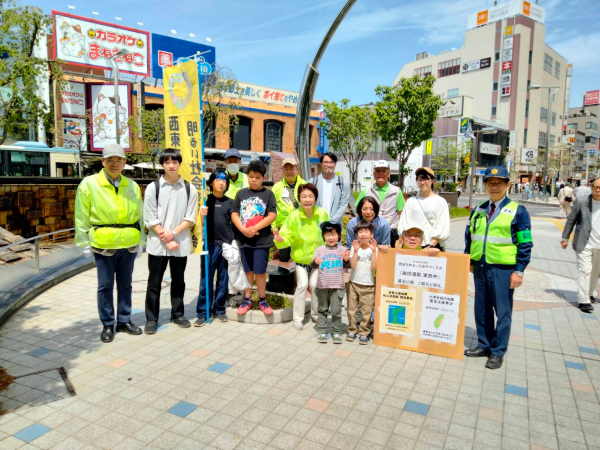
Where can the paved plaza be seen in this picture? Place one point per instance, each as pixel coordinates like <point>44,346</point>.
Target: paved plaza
<point>245,386</point>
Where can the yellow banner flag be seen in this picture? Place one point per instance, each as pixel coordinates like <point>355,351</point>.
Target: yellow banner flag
<point>183,128</point>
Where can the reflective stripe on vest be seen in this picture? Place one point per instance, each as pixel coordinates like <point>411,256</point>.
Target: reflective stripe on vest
<point>494,239</point>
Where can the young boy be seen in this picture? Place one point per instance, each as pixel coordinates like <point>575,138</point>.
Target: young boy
<point>168,215</point>
<point>217,211</point>
<point>412,239</point>
<point>361,288</point>
<point>330,281</point>
<point>254,209</point>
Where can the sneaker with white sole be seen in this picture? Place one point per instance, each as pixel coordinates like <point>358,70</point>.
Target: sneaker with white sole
<point>298,325</point>
<point>244,307</point>
<point>337,338</point>
<point>322,338</point>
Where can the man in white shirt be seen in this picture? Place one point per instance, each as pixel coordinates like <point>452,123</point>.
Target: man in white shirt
<point>333,191</point>
<point>168,216</point>
<point>583,190</point>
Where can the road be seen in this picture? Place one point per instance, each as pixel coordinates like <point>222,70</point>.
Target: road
<point>540,210</point>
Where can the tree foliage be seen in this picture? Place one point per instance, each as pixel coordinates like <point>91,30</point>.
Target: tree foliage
<point>153,134</point>
<point>21,69</point>
<point>351,132</point>
<point>404,116</point>
<point>448,155</point>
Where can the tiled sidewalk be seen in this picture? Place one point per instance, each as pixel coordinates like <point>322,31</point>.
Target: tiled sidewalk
<point>243,386</point>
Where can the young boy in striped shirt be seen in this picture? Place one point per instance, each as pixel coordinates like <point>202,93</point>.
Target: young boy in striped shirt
<point>330,289</point>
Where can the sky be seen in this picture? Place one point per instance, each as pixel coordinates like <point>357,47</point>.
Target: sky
<point>270,42</point>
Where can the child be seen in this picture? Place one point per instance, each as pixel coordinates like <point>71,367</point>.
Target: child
<point>254,209</point>
<point>330,281</point>
<point>219,231</point>
<point>361,288</point>
<point>170,210</point>
<point>412,239</point>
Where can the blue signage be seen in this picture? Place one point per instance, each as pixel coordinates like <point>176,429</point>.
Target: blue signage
<point>166,50</point>
<point>323,141</point>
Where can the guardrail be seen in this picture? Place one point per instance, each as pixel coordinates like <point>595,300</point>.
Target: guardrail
<point>37,244</point>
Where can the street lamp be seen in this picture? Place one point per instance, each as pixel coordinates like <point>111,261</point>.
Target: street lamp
<point>120,53</point>
<point>485,130</point>
<point>548,120</point>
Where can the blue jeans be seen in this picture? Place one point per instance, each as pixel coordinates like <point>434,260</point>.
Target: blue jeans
<point>216,263</point>
<point>121,265</point>
<point>493,294</point>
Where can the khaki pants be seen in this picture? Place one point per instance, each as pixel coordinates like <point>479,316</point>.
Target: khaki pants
<point>360,296</point>
<point>566,207</point>
<point>588,271</point>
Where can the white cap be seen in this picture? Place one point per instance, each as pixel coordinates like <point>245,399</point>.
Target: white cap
<point>381,163</point>
<point>113,150</point>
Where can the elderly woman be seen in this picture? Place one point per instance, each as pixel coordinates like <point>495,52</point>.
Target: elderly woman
<point>302,232</point>
<point>368,209</point>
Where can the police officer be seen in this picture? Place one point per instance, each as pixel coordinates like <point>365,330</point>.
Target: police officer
<point>237,179</point>
<point>498,238</point>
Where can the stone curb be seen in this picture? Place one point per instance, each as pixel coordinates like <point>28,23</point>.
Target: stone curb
<point>256,316</point>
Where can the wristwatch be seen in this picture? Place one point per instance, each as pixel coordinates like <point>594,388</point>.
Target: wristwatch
<point>174,233</point>
<point>520,274</point>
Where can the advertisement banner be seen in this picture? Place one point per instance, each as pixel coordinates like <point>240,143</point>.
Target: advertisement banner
<point>397,311</point>
<point>439,317</point>
<point>507,67</point>
<point>166,50</point>
<point>490,149</point>
<point>508,9</point>
<point>91,43</point>
<point>484,63</point>
<point>507,55</point>
<point>592,98</point>
<point>508,43</point>
<point>72,99</point>
<point>254,92</point>
<point>323,146</point>
<point>74,133</point>
<point>451,107</point>
<point>505,92</point>
<point>183,127</point>
<point>421,271</point>
<point>103,118</point>
<point>506,78</point>
<point>476,65</point>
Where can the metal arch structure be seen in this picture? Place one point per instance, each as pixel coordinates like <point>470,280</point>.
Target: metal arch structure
<point>307,91</point>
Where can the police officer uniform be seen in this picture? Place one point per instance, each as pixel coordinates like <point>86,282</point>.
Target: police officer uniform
<point>498,239</point>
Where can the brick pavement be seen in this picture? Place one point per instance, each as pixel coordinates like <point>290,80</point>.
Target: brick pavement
<point>244,386</point>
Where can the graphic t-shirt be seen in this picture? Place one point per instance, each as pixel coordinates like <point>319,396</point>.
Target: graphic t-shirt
<point>220,228</point>
<point>331,269</point>
<point>363,274</point>
<point>254,206</point>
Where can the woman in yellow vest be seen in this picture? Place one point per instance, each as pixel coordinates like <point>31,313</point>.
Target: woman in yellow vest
<point>498,238</point>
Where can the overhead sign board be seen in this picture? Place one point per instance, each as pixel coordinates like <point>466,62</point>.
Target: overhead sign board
<point>166,50</point>
<point>103,115</point>
<point>476,64</point>
<point>512,139</point>
<point>592,98</point>
<point>507,55</point>
<point>91,43</point>
<point>529,155</point>
<point>490,149</point>
<point>505,10</point>
<point>254,92</point>
<point>508,43</point>
<point>72,99</point>
<point>508,31</point>
<point>451,107</point>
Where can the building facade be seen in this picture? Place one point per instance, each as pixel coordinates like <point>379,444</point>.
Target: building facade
<point>583,138</point>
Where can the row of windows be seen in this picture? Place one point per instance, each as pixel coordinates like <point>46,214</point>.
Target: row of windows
<point>447,68</point>
<point>544,115</point>
<point>423,71</point>
<point>241,136</point>
<point>542,139</point>
<point>591,125</point>
<point>452,93</point>
<point>548,63</point>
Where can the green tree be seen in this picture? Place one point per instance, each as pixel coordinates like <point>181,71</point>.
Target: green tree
<point>219,115</point>
<point>404,116</point>
<point>450,154</point>
<point>21,70</point>
<point>351,132</point>
<point>152,129</point>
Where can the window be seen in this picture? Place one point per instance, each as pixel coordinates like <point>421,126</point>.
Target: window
<point>579,141</point>
<point>528,85</point>
<point>543,114</point>
<point>572,126</point>
<point>494,107</point>
<point>497,55</point>
<point>422,71</point>
<point>591,125</point>
<point>548,63</point>
<point>553,119</point>
<point>452,93</point>
<point>552,140</point>
<point>28,164</point>
<point>273,133</point>
<point>556,69</point>
<point>526,108</point>
<point>495,85</point>
<point>542,139</point>
<point>241,135</point>
<point>525,136</point>
<point>591,139</point>
<point>530,56</point>
<point>448,68</point>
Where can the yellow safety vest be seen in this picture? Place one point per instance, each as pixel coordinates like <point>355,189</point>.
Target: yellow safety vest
<point>494,240</point>
<point>234,187</point>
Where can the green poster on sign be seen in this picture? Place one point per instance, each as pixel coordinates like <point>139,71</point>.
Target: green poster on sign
<point>464,124</point>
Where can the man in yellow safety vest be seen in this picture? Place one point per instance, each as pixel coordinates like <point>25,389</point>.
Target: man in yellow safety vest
<point>498,238</point>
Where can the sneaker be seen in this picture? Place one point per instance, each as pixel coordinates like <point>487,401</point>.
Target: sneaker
<point>222,317</point>
<point>181,322</point>
<point>322,338</point>
<point>350,337</point>
<point>298,325</point>
<point>363,340</point>
<point>264,306</point>
<point>337,338</point>
<point>200,322</point>
<point>150,327</point>
<point>245,307</point>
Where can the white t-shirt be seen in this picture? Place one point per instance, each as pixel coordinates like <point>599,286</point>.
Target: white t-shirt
<point>363,274</point>
<point>327,194</point>
<point>431,213</point>
<point>594,241</point>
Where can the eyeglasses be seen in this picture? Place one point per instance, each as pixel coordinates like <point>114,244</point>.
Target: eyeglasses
<point>328,162</point>
<point>596,187</point>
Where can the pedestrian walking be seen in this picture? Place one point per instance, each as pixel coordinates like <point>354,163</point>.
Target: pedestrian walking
<point>334,191</point>
<point>498,238</point>
<point>108,224</point>
<point>170,209</point>
<point>565,197</point>
<point>237,179</point>
<point>583,190</point>
<point>585,218</point>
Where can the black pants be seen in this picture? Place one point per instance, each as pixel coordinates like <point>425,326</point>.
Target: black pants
<point>156,267</point>
<point>394,236</point>
<point>285,254</point>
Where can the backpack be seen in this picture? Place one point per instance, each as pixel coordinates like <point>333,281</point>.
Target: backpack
<point>157,188</point>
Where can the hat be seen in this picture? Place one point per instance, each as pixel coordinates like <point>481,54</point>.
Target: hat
<point>381,163</point>
<point>496,172</point>
<point>291,161</point>
<point>113,150</point>
<point>331,224</point>
<point>411,226</point>
<point>427,171</point>
<point>233,152</point>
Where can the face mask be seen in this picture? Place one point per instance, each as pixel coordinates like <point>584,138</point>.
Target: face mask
<point>233,168</point>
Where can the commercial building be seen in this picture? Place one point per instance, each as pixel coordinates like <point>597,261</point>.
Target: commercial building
<point>503,55</point>
<point>583,137</point>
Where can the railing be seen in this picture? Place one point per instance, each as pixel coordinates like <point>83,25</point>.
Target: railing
<point>37,244</point>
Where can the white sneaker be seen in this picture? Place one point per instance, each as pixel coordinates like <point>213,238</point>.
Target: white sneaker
<point>298,325</point>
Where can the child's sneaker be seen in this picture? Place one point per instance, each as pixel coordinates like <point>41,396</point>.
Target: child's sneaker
<point>337,338</point>
<point>245,307</point>
<point>363,340</point>
<point>322,338</point>
<point>350,337</point>
<point>264,306</point>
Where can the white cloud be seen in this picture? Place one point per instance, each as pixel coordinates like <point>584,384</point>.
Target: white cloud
<point>581,50</point>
